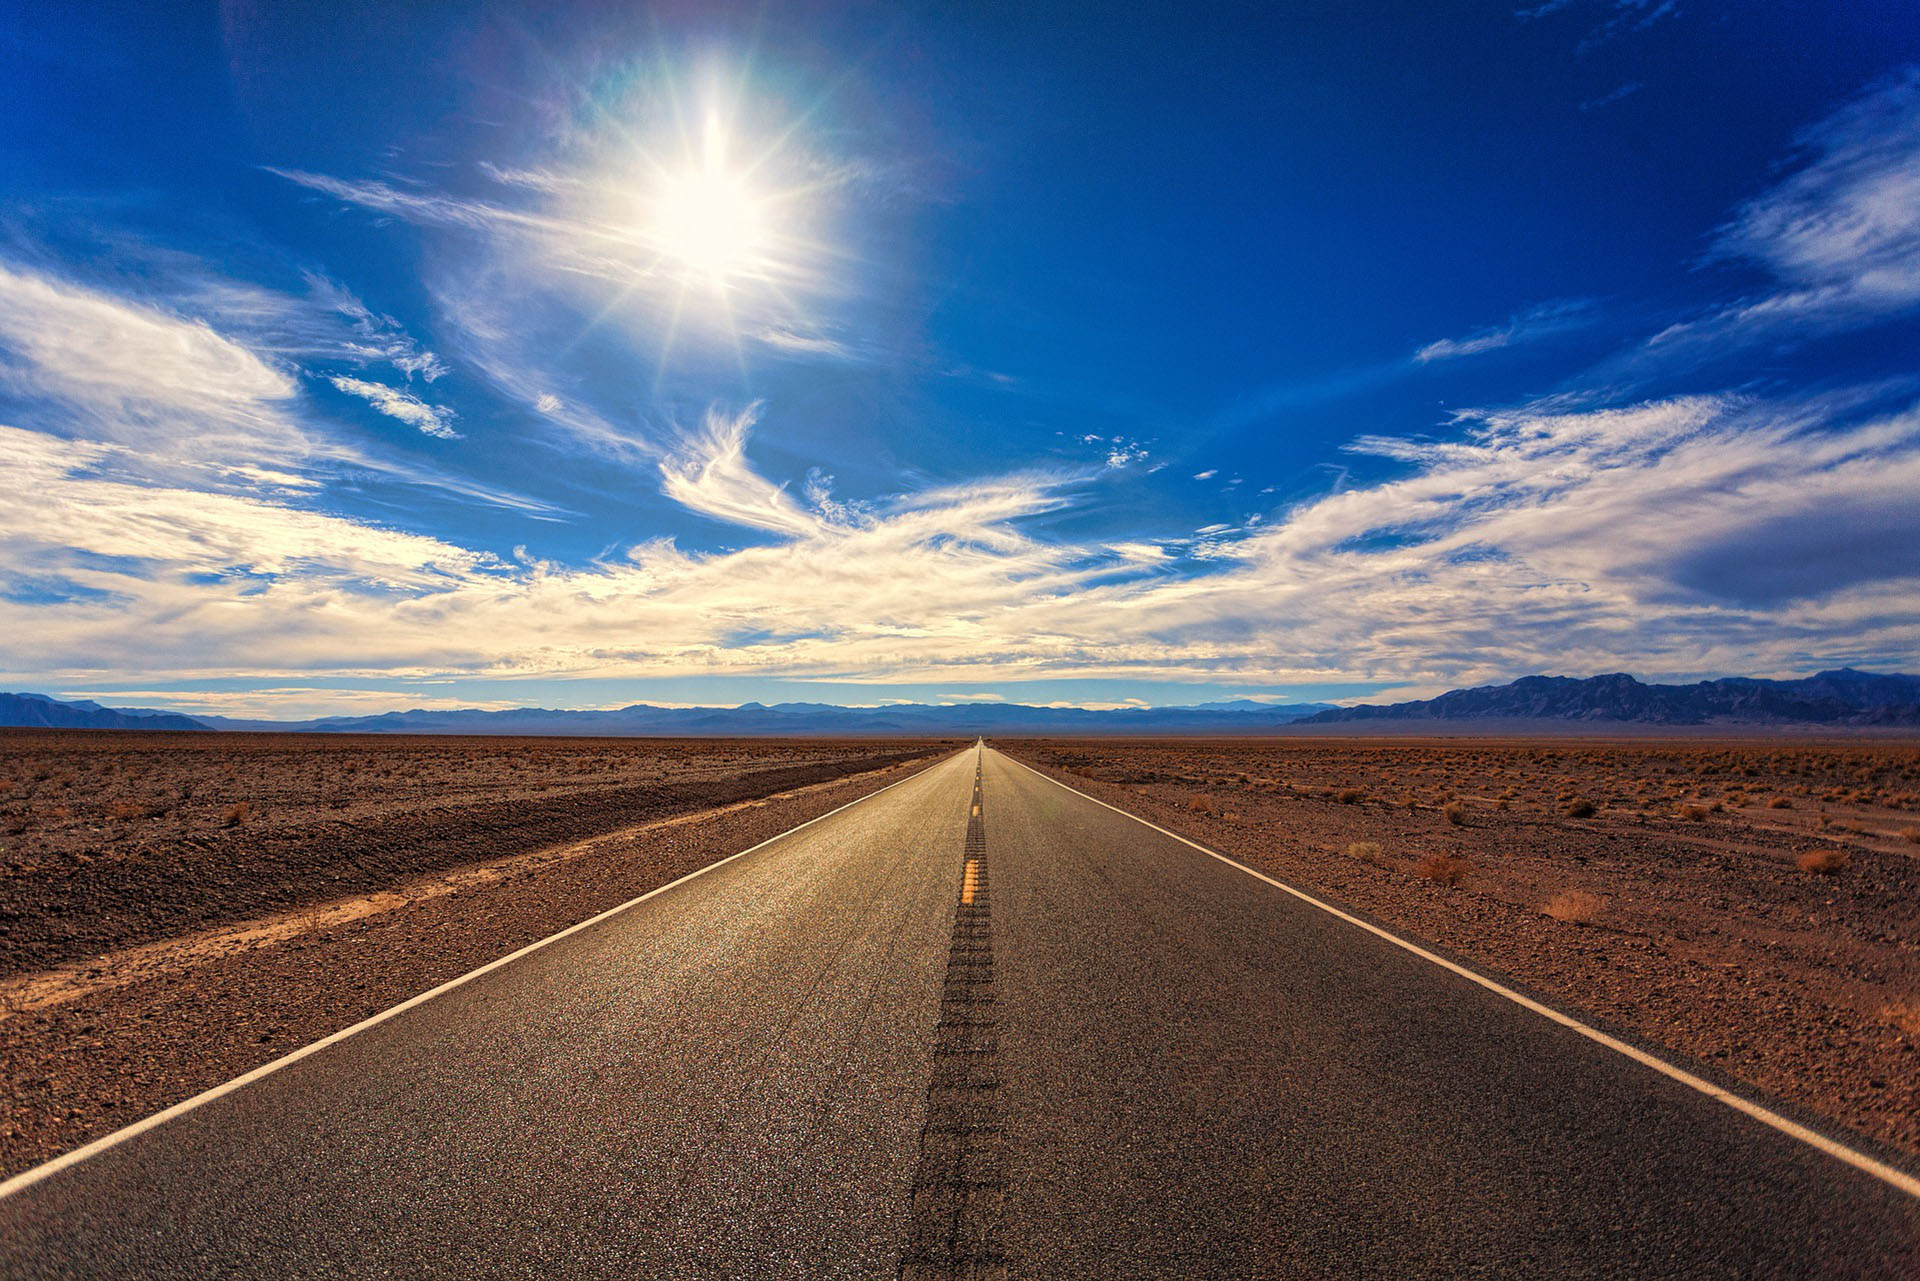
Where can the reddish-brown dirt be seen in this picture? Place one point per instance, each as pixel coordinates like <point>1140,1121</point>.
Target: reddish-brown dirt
<point>108,839</point>
<point>1672,889</point>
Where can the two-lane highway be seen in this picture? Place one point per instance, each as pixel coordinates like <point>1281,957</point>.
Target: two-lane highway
<point>1118,1056</point>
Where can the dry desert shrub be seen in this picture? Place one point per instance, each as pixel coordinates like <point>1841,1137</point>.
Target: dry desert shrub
<point>130,810</point>
<point>1779,803</point>
<point>1911,835</point>
<point>1904,1015</point>
<point>1456,813</point>
<point>1368,852</point>
<point>1693,813</point>
<point>1442,869</point>
<point>1349,796</point>
<point>1579,809</point>
<point>1823,862</point>
<point>1575,907</point>
<point>236,814</point>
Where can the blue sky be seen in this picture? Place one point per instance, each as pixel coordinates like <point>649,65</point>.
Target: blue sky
<point>366,355</point>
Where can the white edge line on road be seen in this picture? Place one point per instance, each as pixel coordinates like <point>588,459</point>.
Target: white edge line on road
<point>1766,1116</point>
<point>27,1178</point>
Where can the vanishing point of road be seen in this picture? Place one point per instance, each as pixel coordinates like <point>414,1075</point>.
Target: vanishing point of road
<point>976,1025</point>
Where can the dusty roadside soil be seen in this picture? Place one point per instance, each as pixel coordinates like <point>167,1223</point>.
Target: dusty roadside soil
<point>1751,905</point>
<point>177,1004</point>
<point>109,839</point>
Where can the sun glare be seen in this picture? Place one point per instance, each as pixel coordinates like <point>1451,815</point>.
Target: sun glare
<point>708,217</point>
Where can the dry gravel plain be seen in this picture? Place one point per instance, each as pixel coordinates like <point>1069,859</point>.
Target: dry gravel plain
<point>1751,904</point>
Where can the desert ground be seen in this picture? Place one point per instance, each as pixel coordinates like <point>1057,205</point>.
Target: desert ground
<point>1750,905</point>
<point>176,909</point>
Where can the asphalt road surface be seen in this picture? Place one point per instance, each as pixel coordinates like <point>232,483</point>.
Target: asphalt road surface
<point>965,1028</point>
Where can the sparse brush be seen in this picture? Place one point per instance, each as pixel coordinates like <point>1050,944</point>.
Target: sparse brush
<point>1823,862</point>
<point>1456,814</point>
<point>1442,869</point>
<point>1579,809</point>
<point>236,814</point>
<point>1349,796</point>
<point>1911,835</point>
<point>1575,907</point>
<point>1779,803</point>
<point>1503,805</point>
<point>1693,813</point>
<point>1368,852</point>
<point>128,811</point>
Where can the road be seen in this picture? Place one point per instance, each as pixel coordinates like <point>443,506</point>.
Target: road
<point>964,1028</point>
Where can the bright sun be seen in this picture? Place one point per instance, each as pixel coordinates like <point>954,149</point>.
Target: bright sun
<point>708,217</point>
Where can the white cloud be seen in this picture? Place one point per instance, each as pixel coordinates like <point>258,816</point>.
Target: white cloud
<point>1208,474</point>
<point>108,366</point>
<point>376,338</point>
<point>1537,322</point>
<point>286,702</point>
<point>712,476</point>
<point>1607,99</point>
<point>1840,235</point>
<point>1536,540</point>
<point>193,406</point>
<point>163,519</point>
<point>796,343</point>
<point>432,420</point>
<point>1624,17</point>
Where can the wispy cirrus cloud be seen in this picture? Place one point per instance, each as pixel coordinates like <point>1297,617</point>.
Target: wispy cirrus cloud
<point>1538,322</point>
<point>1535,538</point>
<point>1612,96</point>
<point>797,343</point>
<point>404,406</point>
<point>1840,235</point>
<point>1617,18</point>
<point>711,475</point>
<point>193,404</point>
<point>103,365</point>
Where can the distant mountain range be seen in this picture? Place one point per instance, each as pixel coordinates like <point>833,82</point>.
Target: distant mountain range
<point>1240,716</point>
<point>51,713</point>
<point>1840,698</point>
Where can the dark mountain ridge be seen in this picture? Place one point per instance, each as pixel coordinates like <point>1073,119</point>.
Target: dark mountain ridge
<point>1839,697</point>
<point>51,713</point>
